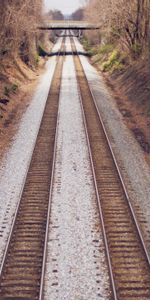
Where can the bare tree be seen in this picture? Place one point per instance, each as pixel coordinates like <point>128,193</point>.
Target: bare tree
<point>18,25</point>
<point>127,21</point>
<point>78,14</point>
<point>55,15</point>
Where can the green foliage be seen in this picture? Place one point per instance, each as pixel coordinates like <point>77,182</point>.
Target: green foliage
<point>113,58</point>
<point>109,58</point>
<point>97,50</point>
<point>103,53</point>
<point>105,49</point>
<point>113,63</point>
<point>92,51</point>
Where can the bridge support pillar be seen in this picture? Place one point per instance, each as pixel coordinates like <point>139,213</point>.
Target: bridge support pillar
<point>79,33</point>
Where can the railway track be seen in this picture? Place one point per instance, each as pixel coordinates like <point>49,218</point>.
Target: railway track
<point>22,267</point>
<point>128,260</point>
<point>22,270</point>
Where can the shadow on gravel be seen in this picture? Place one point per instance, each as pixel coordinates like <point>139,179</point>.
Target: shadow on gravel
<point>68,53</point>
<point>43,53</point>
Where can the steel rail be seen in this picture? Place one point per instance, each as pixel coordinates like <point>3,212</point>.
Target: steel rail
<point>20,195</point>
<point>99,203</point>
<point>22,188</point>
<point>48,218</point>
<point>49,206</point>
<point>112,282</point>
<point>120,176</point>
<point>141,239</point>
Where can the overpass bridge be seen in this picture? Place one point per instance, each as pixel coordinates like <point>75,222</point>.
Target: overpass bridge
<point>68,25</point>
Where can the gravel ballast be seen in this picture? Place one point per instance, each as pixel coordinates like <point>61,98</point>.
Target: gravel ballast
<point>129,155</point>
<point>76,266</point>
<point>15,163</point>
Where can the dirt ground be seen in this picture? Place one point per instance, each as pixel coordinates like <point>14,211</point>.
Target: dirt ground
<point>17,85</point>
<point>131,90</point>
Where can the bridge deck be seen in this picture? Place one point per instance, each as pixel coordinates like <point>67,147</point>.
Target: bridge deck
<point>57,25</point>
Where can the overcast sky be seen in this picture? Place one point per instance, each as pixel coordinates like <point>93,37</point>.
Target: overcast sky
<point>66,6</point>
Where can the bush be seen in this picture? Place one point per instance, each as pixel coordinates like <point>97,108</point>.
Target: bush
<point>114,62</point>
<point>106,49</point>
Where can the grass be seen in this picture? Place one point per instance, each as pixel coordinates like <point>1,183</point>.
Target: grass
<point>108,57</point>
<point>105,49</point>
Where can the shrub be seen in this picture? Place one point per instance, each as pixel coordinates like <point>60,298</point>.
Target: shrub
<point>105,49</point>
<point>114,62</point>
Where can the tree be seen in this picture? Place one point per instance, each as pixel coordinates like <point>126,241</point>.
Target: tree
<point>78,14</point>
<point>127,21</point>
<point>55,15</point>
<point>18,26</point>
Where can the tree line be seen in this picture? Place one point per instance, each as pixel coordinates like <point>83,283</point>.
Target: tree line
<point>127,22</point>
<point>18,27</point>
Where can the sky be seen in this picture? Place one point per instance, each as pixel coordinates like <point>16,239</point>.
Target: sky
<point>66,6</point>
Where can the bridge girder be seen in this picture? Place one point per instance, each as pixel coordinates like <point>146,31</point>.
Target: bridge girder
<point>72,25</point>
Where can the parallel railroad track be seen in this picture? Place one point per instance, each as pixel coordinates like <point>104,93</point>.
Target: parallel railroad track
<point>22,271</point>
<point>22,267</point>
<point>128,260</point>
